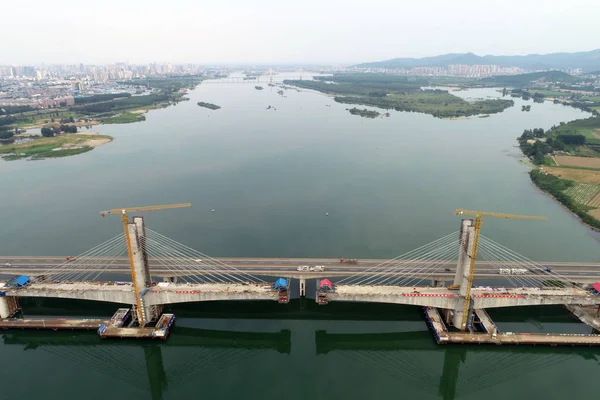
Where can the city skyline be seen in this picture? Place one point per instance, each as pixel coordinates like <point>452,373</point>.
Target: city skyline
<point>270,32</point>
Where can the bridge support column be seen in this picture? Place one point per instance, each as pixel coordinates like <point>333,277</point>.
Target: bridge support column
<point>9,305</point>
<point>437,283</point>
<point>302,287</point>
<point>141,272</point>
<point>461,278</point>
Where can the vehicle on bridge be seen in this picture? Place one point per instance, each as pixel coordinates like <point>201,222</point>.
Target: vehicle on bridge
<point>8,264</point>
<point>18,281</point>
<point>303,268</point>
<point>282,285</point>
<point>349,261</point>
<point>324,286</point>
<point>512,271</point>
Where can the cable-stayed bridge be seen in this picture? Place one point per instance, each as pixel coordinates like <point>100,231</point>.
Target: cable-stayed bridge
<point>408,279</point>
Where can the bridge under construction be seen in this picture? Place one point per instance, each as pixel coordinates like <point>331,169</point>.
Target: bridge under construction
<point>455,311</point>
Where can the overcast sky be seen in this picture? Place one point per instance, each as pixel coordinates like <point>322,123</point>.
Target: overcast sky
<point>309,31</point>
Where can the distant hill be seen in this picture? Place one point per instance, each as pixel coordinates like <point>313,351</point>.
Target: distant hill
<point>586,60</point>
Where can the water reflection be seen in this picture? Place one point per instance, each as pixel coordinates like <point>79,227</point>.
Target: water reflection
<point>411,359</point>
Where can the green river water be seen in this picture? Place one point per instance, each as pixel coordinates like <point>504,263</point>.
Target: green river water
<point>388,185</point>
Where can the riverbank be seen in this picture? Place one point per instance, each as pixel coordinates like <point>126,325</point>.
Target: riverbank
<point>567,157</point>
<point>567,192</point>
<point>54,147</point>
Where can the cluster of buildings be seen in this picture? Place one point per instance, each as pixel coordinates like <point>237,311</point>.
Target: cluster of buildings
<point>58,85</point>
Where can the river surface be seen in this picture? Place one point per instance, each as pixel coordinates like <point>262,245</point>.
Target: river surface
<point>302,179</point>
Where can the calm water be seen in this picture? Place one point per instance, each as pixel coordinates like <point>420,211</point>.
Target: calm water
<point>389,185</point>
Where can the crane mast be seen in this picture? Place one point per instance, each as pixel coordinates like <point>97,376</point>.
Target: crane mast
<point>125,221</point>
<point>477,228</point>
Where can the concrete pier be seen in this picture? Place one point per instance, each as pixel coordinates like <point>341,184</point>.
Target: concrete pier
<point>443,336</point>
<point>588,315</point>
<point>302,287</point>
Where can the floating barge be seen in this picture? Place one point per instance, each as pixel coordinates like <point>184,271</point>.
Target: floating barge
<point>116,327</point>
<point>52,323</point>
<point>491,335</point>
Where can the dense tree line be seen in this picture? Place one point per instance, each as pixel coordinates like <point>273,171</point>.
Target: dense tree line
<point>572,139</point>
<point>7,110</point>
<point>455,107</point>
<point>6,133</point>
<point>168,84</point>
<point>121,104</point>
<point>100,97</point>
<point>524,80</point>
<point>50,132</point>
<point>7,120</point>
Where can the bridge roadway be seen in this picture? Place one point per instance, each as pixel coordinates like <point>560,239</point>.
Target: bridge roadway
<point>123,293</point>
<point>439,297</point>
<point>287,267</point>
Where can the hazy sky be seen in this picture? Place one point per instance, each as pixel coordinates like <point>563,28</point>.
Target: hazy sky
<point>265,31</point>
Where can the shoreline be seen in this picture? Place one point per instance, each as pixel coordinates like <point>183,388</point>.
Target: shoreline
<point>63,145</point>
<point>566,207</point>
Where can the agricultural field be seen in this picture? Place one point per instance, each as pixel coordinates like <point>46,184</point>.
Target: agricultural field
<point>584,193</point>
<point>595,202</point>
<point>595,213</point>
<point>573,174</point>
<point>584,162</point>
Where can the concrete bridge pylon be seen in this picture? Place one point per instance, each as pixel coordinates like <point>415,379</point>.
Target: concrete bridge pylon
<point>461,278</point>
<point>140,271</point>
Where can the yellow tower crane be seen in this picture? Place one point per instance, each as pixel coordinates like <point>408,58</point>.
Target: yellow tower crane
<point>123,212</point>
<point>478,215</point>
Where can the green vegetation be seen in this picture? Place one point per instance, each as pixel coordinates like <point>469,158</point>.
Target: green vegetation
<point>364,113</point>
<point>526,108</point>
<point>167,84</point>
<point>6,134</point>
<point>589,127</point>
<point>8,110</point>
<point>258,87</point>
<point>50,147</point>
<point>100,97</point>
<point>399,93</point>
<point>55,130</point>
<point>557,188</point>
<point>208,105</point>
<point>524,80</point>
<point>124,118</point>
<point>580,137</point>
<point>122,104</point>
